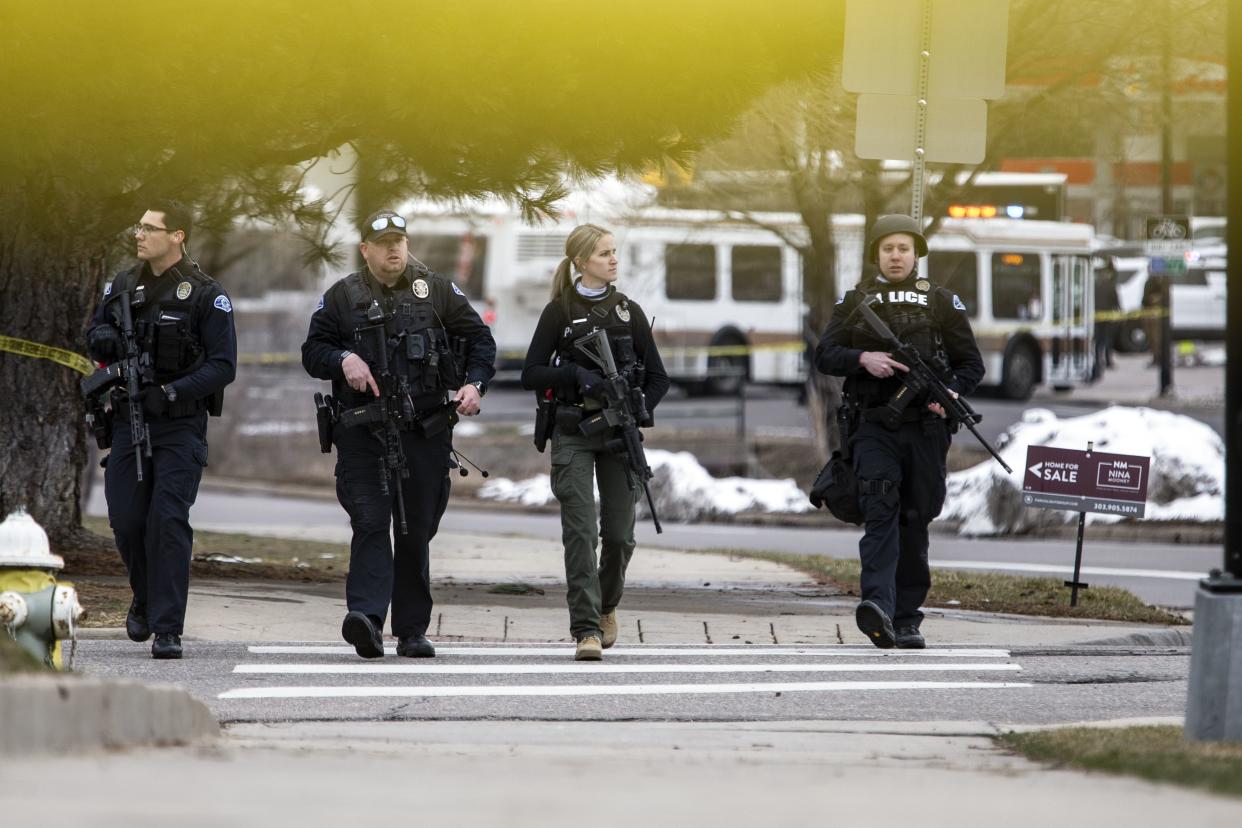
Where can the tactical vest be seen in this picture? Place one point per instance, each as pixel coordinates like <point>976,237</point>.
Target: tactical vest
<point>907,310</point>
<point>613,314</point>
<point>166,318</point>
<point>404,333</point>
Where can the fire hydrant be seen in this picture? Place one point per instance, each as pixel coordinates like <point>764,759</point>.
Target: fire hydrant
<point>35,610</point>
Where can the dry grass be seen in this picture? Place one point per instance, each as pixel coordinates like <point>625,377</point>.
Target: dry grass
<point>1156,753</point>
<point>986,591</point>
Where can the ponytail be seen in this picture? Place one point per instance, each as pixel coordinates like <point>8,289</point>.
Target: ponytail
<point>579,245</point>
<point>561,280</point>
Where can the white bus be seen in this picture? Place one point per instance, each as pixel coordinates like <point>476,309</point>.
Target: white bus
<point>1027,287</point>
<point>725,297</point>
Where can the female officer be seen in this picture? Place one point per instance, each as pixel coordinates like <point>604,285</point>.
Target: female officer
<point>901,471</point>
<point>555,368</point>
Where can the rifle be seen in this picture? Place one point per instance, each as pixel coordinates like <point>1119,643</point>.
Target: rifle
<point>626,410</point>
<point>129,370</point>
<point>385,415</point>
<point>918,379</point>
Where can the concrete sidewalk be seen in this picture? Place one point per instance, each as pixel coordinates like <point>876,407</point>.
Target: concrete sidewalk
<point>671,597</point>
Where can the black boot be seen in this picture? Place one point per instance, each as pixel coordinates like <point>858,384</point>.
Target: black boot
<point>166,645</point>
<point>909,638</point>
<point>136,626</point>
<point>875,624</point>
<point>358,629</point>
<point>415,646</point>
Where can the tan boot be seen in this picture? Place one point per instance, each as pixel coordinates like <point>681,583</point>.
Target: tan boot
<point>608,628</point>
<point>589,649</point>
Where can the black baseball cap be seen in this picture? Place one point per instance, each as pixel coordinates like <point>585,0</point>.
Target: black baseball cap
<point>382,223</point>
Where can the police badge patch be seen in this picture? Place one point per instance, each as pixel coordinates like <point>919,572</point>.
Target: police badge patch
<point>623,313</point>
<point>107,289</point>
<point>222,302</point>
<point>922,284</point>
<point>420,288</point>
<point>183,290</point>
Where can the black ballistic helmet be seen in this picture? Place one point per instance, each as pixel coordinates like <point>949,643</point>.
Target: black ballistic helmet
<point>896,223</point>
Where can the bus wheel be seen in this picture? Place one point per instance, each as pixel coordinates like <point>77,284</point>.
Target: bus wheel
<point>726,374</point>
<point>1131,338</point>
<point>1019,374</point>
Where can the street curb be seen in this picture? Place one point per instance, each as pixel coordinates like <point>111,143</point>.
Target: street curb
<point>1171,637</point>
<point>64,713</point>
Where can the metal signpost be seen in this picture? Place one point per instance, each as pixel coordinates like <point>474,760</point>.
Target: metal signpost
<point>1085,481</point>
<point>923,71</point>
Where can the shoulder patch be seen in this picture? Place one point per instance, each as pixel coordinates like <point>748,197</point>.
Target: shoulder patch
<point>107,288</point>
<point>319,307</point>
<point>957,303</point>
<point>222,302</point>
<point>457,290</point>
<point>841,301</point>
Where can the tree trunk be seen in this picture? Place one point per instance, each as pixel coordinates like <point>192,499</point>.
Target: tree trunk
<point>823,393</point>
<point>49,297</point>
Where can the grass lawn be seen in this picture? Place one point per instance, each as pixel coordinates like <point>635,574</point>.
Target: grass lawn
<point>1158,753</point>
<point>986,591</point>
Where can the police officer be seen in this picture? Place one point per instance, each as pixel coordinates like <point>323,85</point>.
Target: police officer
<point>553,366</point>
<point>901,473</point>
<point>395,332</point>
<point>183,324</point>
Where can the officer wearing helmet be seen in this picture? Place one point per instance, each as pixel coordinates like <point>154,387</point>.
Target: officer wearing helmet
<point>901,471</point>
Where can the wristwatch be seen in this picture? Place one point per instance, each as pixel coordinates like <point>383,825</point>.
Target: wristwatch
<point>170,392</point>
<point>480,386</point>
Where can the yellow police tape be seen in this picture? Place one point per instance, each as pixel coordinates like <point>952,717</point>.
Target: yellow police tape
<point>69,359</point>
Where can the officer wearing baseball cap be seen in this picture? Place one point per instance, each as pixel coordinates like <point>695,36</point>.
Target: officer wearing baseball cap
<point>406,354</point>
<point>901,470</point>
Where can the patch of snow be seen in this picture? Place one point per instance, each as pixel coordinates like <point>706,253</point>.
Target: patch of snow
<point>681,488</point>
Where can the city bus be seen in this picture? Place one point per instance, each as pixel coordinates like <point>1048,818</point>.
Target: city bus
<point>724,297</point>
<point>1027,287</point>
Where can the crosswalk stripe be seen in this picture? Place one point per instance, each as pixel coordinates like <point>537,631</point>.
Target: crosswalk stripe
<point>748,651</point>
<point>595,669</point>
<point>606,690</point>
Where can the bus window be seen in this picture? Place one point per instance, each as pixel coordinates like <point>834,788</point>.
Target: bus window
<point>756,273</point>
<point>959,272</point>
<point>690,271</point>
<point>460,258</point>
<point>1015,286</point>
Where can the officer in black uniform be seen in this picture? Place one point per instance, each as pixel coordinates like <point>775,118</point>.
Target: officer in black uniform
<point>901,473</point>
<point>419,326</point>
<point>183,322</point>
<point>555,368</point>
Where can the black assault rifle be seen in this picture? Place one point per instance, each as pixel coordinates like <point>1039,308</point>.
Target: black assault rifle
<point>129,370</point>
<point>918,379</point>
<point>626,410</point>
<point>386,414</point>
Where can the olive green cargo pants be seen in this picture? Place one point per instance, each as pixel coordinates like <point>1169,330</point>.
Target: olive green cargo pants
<point>594,588</point>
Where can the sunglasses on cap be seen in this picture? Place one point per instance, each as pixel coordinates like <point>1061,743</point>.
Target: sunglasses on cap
<point>384,222</point>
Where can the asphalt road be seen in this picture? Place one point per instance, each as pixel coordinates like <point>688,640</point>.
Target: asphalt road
<point>1159,573</point>
<point>308,682</point>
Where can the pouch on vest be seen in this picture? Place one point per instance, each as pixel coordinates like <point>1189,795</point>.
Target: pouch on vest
<point>836,488</point>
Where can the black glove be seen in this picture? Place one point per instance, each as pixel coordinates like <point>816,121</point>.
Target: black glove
<point>589,382</point>
<point>105,343</point>
<point>153,400</point>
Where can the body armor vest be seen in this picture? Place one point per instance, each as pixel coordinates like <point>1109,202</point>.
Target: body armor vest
<point>401,332</point>
<point>907,310</point>
<point>165,314</point>
<point>612,313</point>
